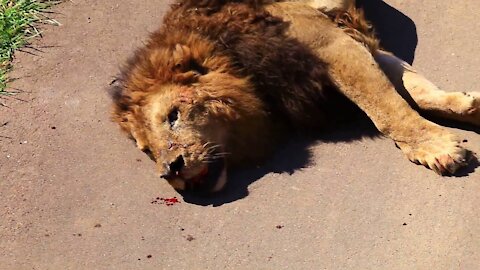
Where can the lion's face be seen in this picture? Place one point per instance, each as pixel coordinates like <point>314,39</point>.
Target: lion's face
<point>194,130</point>
<point>192,115</point>
<point>186,140</point>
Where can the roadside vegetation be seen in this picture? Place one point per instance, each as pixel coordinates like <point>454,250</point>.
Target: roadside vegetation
<point>19,23</point>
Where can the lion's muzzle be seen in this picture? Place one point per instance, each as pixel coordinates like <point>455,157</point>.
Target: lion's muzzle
<point>211,178</point>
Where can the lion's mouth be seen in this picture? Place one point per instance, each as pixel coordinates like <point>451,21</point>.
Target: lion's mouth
<point>210,180</point>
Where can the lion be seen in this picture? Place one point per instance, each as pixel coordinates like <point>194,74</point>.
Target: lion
<point>221,83</point>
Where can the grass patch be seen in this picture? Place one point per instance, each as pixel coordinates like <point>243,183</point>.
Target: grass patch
<point>18,25</point>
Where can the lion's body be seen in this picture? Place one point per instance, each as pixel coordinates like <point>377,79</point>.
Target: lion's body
<point>241,74</point>
<point>289,82</point>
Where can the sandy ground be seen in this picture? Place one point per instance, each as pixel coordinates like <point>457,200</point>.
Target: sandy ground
<point>76,194</point>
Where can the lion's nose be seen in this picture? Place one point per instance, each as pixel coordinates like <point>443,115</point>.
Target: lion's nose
<point>174,168</point>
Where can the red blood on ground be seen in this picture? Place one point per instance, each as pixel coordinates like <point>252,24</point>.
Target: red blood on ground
<point>166,201</point>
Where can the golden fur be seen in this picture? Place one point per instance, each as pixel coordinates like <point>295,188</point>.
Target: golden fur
<point>221,82</point>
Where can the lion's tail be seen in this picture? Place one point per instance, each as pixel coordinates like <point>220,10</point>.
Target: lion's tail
<point>353,22</point>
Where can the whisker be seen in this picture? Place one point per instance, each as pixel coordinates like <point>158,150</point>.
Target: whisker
<point>212,158</point>
<point>222,154</point>
<point>208,161</point>
<point>211,155</point>
<point>205,144</point>
<point>213,147</point>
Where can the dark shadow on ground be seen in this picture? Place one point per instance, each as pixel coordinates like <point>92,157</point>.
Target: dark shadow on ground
<point>453,124</point>
<point>291,156</point>
<point>397,32</point>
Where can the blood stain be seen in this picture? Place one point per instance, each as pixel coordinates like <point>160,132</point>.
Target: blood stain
<point>166,201</point>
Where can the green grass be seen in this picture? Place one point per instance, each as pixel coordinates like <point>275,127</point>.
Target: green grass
<point>19,21</point>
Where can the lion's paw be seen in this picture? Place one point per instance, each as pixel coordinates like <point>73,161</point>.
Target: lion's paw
<point>441,152</point>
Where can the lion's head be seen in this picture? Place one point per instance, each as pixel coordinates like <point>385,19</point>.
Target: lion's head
<point>183,106</point>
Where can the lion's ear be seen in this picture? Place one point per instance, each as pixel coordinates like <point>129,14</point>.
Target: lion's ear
<point>181,57</point>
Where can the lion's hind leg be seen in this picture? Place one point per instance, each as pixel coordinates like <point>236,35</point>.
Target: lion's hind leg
<point>356,74</point>
<point>458,106</point>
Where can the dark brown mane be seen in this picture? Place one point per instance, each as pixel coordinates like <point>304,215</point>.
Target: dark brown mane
<point>286,75</point>
<point>280,67</point>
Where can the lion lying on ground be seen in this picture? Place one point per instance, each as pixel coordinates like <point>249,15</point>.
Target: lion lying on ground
<point>222,82</point>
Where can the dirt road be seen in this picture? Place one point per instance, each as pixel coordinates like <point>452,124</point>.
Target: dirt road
<point>76,194</point>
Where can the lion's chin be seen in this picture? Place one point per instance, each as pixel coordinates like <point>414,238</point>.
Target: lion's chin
<point>213,179</point>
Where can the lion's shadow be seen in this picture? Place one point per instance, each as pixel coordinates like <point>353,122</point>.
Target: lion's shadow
<point>398,34</point>
<point>291,156</point>
<point>294,155</point>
